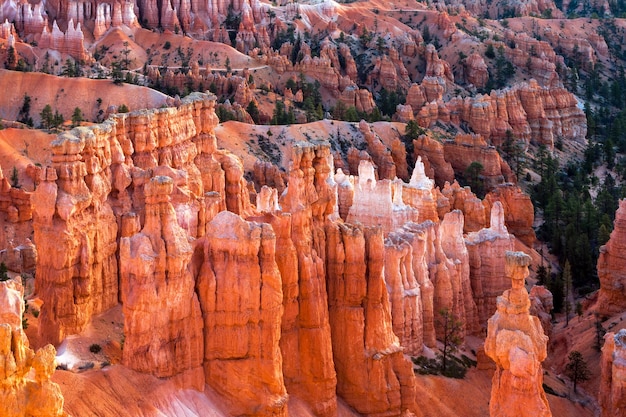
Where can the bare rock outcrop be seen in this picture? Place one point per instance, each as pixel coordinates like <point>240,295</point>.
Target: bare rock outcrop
<point>476,71</point>
<point>519,213</point>
<point>612,268</point>
<point>405,292</point>
<point>75,226</point>
<point>418,193</point>
<point>530,111</point>
<point>98,174</point>
<point>162,316</point>
<point>25,386</point>
<point>468,148</point>
<point>378,202</point>
<point>612,395</point>
<point>310,198</point>
<point>435,164</point>
<point>487,260</point>
<point>517,344</point>
<point>241,297</point>
<point>373,376</point>
<point>71,42</point>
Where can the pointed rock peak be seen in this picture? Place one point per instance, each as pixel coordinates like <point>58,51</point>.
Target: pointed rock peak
<point>55,27</point>
<point>419,178</point>
<point>366,174</point>
<point>396,189</point>
<point>267,200</point>
<point>497,219</point>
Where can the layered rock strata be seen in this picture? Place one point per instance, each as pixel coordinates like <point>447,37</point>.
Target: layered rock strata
<point>378,202</point>
<point>516,343</point>
<point>162,316</point>
<point>519,214</point>
<point>188,234</point>
<point>373,376</point>
<point>310,198</point>
<point>25,386</point>
<point>487,260</point>
<point>95,186</point>
<point>528,110</point>
<point>77,229</point>
<point>16,213</point>
<point>612,395</point>
<point>612,268</point>
<point>241,297</point>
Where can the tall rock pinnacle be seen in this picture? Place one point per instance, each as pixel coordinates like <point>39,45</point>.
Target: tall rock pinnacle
<point>517,344</point>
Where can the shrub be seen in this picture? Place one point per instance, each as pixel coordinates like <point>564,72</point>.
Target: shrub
<point>3,272</point>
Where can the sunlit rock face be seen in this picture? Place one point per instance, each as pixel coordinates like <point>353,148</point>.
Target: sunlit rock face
<point>612,268</point>
<point>378,202</point>
<point>162,316</point>
<point>373,376</point>
<point>316,291</point>
<point>25,386</point>
<point>240,291</point>
<point>612,396</point>
<point>517,344</point>
<point>95,186</point>
<point>487,260</point>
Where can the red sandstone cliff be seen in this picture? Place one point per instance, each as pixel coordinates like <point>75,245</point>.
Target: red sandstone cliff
<point>612,396</point>
<point>611,267</point>
<point>25,386</point>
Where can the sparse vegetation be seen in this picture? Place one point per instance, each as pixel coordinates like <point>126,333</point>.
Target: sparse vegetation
<point>576,368</point>
<point>451,328</point>
<point>24,114</point>
<point>77,116</point>
<point>95,348</point>
<point>4,276</point>
<point>15,179</point>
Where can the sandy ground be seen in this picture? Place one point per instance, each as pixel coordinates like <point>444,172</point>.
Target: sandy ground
<point>20,147</point>
<point>65,94</point>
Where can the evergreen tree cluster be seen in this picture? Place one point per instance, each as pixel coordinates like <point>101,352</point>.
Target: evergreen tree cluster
<point>575,223</point>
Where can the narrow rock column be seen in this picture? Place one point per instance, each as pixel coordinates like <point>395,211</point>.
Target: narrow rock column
<point>611,267</point>
<point>517,344</point>
<point>612,395</point>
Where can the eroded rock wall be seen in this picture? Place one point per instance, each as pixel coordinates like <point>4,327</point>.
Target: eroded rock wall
<point>373,376</point>
<point>155,182</point>
<point>240,290</point>
<point>162,316</point>
<point>612,395</point>
<point>612,268</point>
<point>25,386</point>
